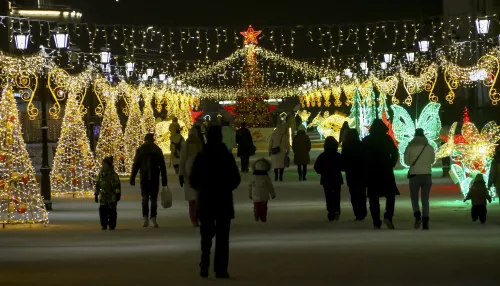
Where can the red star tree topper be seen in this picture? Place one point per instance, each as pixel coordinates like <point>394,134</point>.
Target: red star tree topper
<point>251,36</point>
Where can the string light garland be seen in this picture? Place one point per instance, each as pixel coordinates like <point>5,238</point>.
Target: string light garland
<point>74,165</point>
<point>20,199</point>
<point>404,126</point>
<point>135,128</point>
<point>304,116</point>
<point>486,70</point>
<point>426,81</point>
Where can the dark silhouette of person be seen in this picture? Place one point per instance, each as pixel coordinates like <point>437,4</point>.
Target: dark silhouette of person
<point>245,146</point>
<point>329,166</point>
<point>381,156</point>
<point>150,161</point>
<point>343,133</point>
<point>301,146</point>
<point>215,175</point>
<point>353,161</point>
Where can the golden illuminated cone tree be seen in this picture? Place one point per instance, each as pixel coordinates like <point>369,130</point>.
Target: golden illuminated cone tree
<point>20,199</point>
<point>149,118</point>
<point>134,131</point>
<point>74,164</point>
<point>111,141</point>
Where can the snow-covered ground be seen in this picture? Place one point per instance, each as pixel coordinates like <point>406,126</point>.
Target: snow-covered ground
<point>297,246</point>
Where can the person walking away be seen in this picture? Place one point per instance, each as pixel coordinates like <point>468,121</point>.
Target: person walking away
<point>343,133</point>
<point>150,162</point>
<point>478,194</point>
<point>261,188</point>
<point>381,156</point>
<point>494,177</point>
<point>189,151</point>
<point>176,141</point>
<point>107,194</point>
<point>279,147</point>
<point>301,146</point>
<point>329,166</point>
<point>215,176</point>
<point>353,162</point>
<point>420,156</point>
<point>245,146</point>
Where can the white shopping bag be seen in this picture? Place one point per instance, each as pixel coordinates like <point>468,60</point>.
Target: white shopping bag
<point>166,198</point>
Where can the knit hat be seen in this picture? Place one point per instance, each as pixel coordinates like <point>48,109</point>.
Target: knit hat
<point>108,160</point>
<point>301,128</point>
<point>419,132</point>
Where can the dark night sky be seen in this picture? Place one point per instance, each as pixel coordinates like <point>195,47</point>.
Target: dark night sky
<point>242,13</point>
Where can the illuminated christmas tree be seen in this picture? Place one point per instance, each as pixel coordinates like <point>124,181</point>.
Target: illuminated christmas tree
<point>251,104</point>
<point>20,199</point>
<point>74,166</point>
<point>134,131</point>
<point>149,118</point>
<point>111,141</point>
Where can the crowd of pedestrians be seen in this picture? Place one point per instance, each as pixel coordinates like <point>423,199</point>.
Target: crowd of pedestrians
<point>208,173</point>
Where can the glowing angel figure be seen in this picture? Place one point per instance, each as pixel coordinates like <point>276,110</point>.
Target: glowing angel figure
<point>404,128</point>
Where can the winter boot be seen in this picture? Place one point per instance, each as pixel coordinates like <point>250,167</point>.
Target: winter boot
<point>153,222</point>
<point>425,221</point>
<point>145,222</point>
<point>223,275</point>
<point>203,270</point>
<point>304,178</point>
<point>418,220</point>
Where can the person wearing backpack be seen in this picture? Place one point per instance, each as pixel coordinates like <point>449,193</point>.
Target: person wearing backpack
<point>420,156</point>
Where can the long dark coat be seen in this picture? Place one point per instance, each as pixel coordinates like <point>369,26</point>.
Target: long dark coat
<point>245,142</point>
<point>353,163</point>
<point>381,156</point>
<point>215,175</point>
<point>301,146</point>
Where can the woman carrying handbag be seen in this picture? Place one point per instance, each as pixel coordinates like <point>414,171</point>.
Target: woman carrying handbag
<point>420,156</point>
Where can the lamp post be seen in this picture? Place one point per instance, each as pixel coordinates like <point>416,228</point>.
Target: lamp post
<point>45,168</point>
<point>105,56</point>
<point>424,45</point>
<point>22,39</point>
<point>130,67</point>
<point>150,72</point>
<point>482,25</point>
<point>61,39</point>
<point>410,57</point>
<point>387,58</point>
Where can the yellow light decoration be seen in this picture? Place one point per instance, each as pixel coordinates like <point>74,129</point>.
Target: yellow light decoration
<point>349,90</point>
<point>329,125</point>
<point>326,92</point>
<point>337,92</point>
<point>148,113</point>
<point>446,150</point>
<point>163,134</point>
<point>111,141</point>
<point>366,90</point>
<point>20,199</point>
<point>60,84</point>
<point>480,146</point>
<point>74,166</point>
<point>486,70</point>
<point>101,90</point>
<point>304,115</point>
<point>232,93</point>
<point>386,87</point>
<point>135,129</point>
<point>426,81</point>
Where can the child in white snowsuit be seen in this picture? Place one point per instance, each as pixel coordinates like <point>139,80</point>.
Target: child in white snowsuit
<point>261,188</point>
<point>478,194</point>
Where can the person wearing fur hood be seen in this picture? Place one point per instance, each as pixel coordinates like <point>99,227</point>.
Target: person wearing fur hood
<point>261,188</point>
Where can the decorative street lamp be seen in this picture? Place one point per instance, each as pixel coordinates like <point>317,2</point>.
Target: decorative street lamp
<point>105,56</point>
<point>347,72</point>
<point>150,72</point>
<point>170,80</point>
<point>130,67</point>
<point>482,26</point>
<point>363,65</point>
<point>22,38</point>
<point>162,76</point>
<point>410,57</point>
<point>145,77</point>
<point>383,65</point>
<point>424,45</point>
<point>61,39</point>
<point>388,58</point>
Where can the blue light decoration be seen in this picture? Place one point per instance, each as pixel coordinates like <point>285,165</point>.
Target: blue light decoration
<point>404,128</point>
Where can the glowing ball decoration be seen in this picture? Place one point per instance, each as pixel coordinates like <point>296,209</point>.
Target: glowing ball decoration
<point>404,127</point>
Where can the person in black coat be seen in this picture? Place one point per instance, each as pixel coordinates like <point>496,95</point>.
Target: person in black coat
<point>381,156</point>
<point>245,146</point>
<point>343,133</point>
<point>150,161</point>
<point>353,161</point>
<point>215,176</point>
<point>329,166</point>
